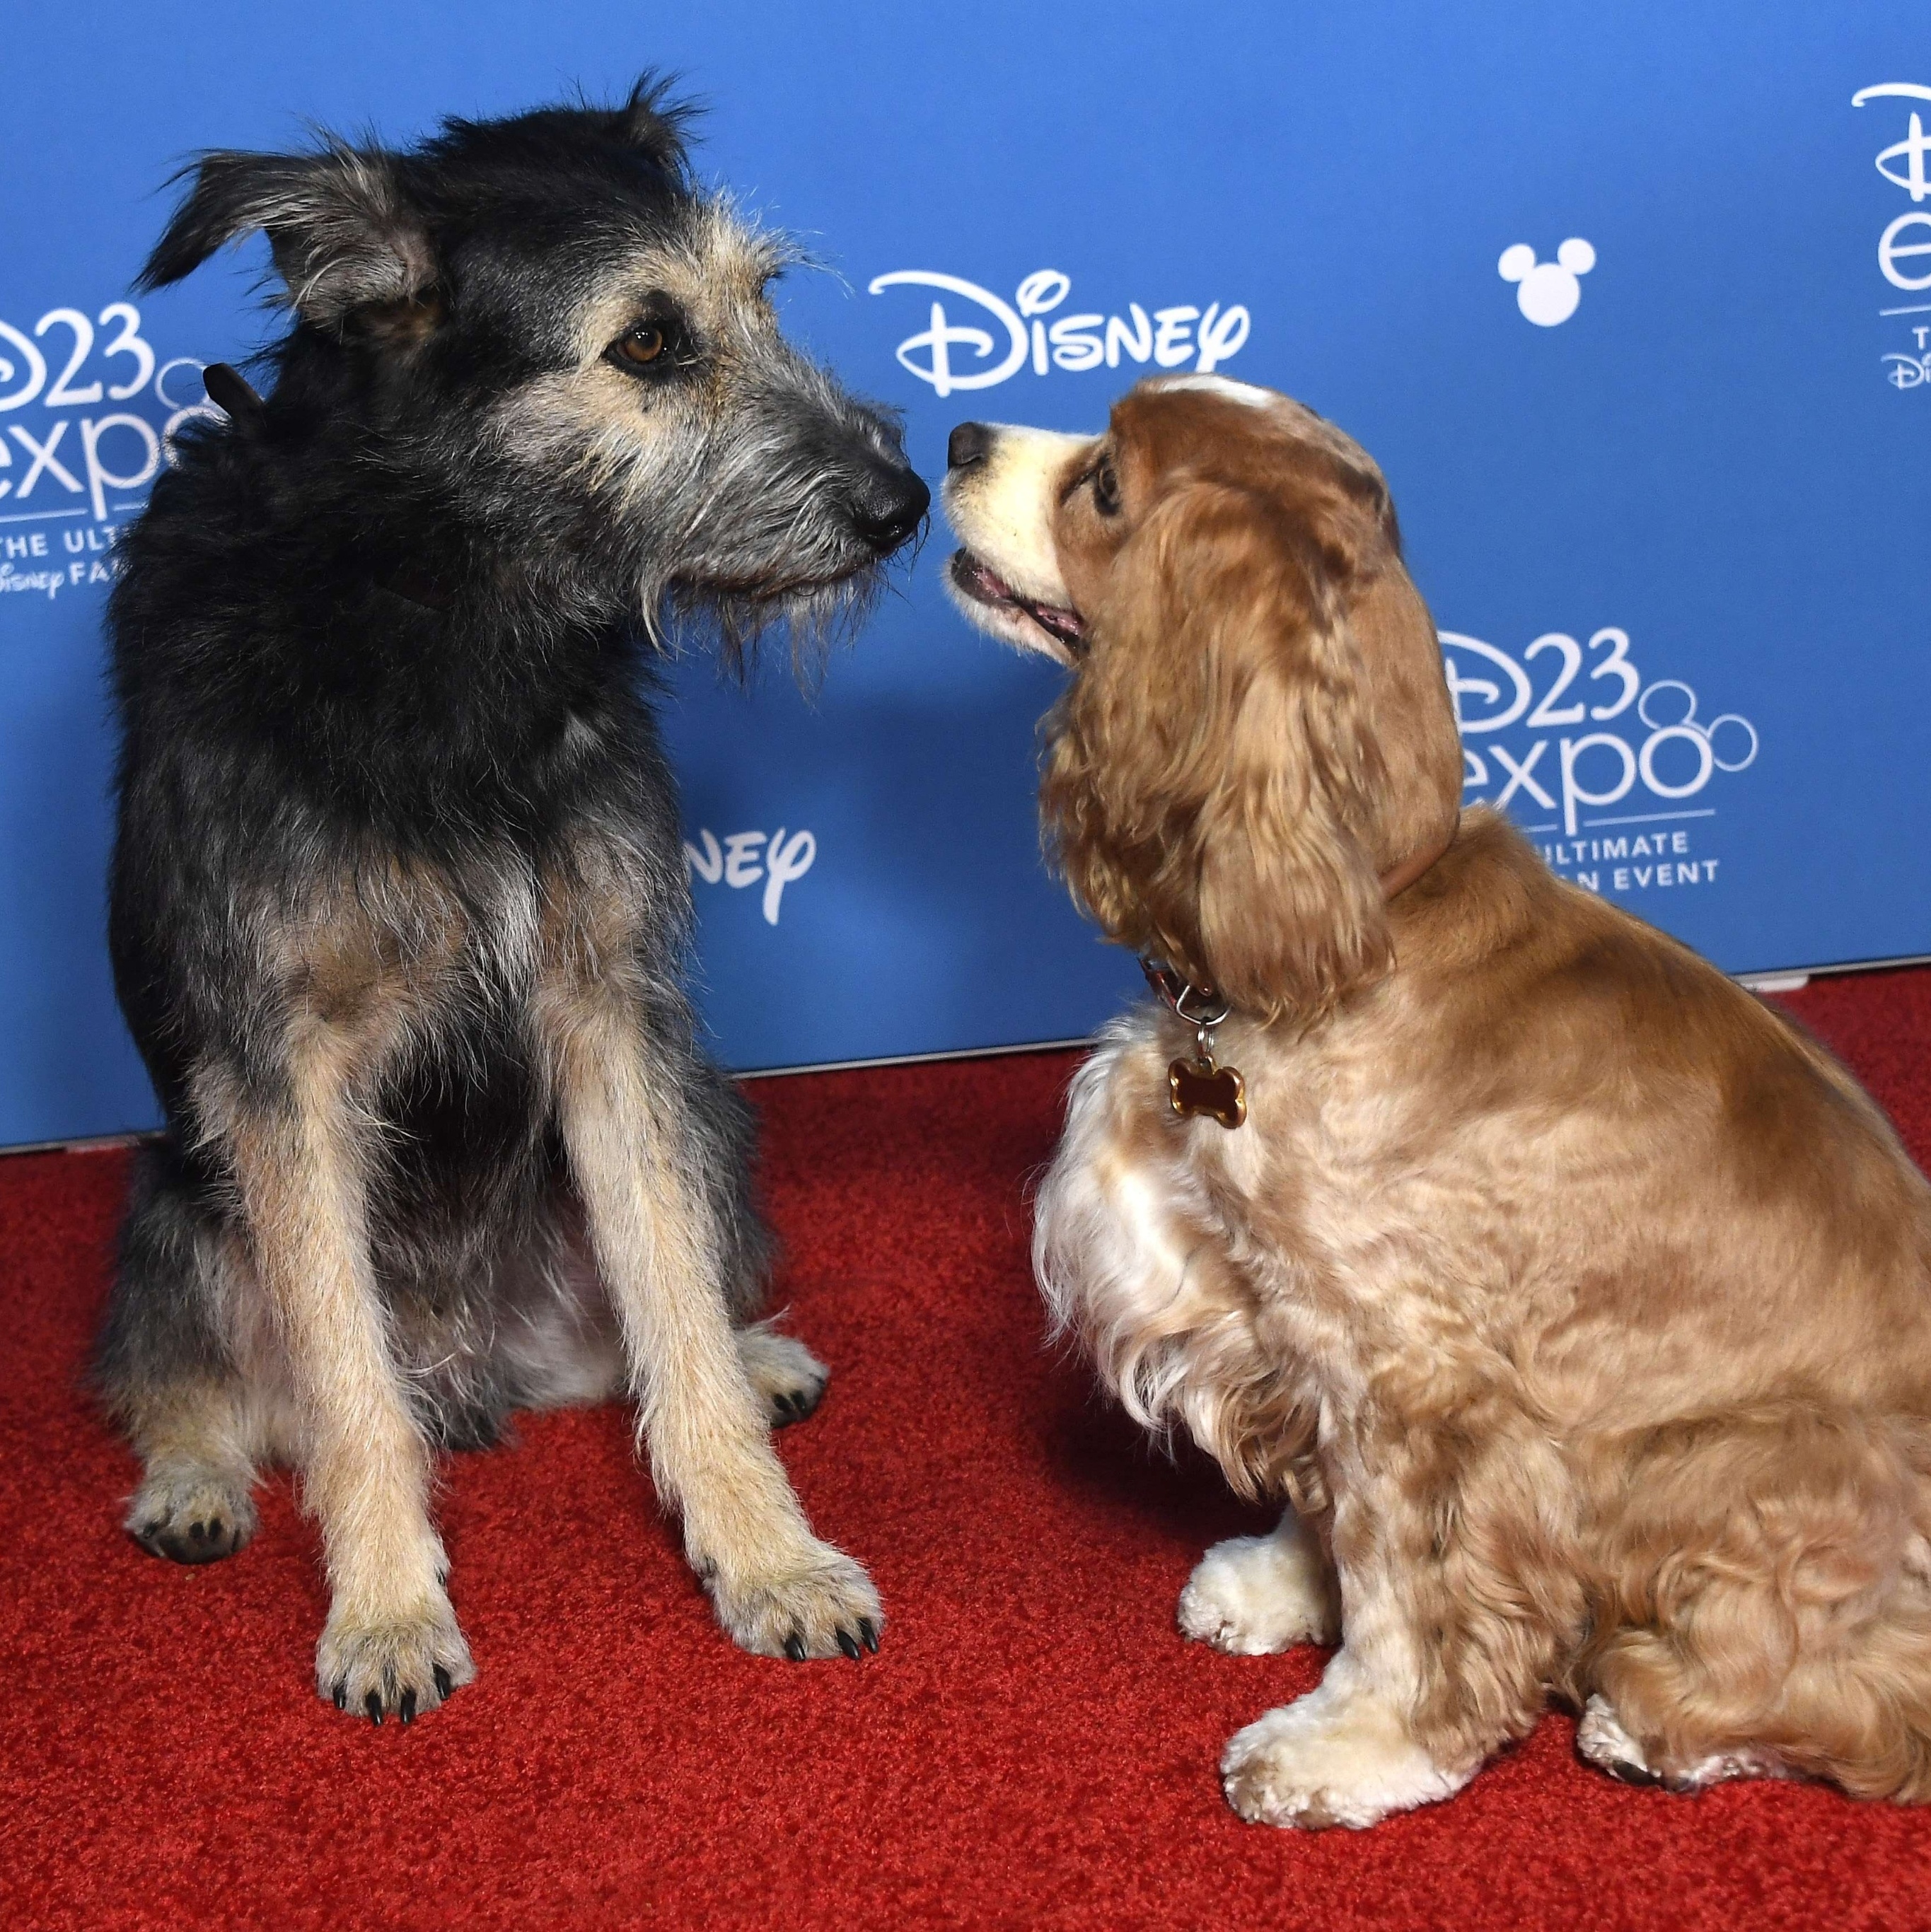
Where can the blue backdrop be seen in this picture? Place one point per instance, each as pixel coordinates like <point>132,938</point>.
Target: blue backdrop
<point>1633,305</point>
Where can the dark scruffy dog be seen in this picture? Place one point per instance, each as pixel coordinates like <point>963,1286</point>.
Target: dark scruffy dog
<point>398,907</point>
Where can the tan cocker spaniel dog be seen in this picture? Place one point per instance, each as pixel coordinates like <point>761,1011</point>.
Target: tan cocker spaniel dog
<point>1576,1303</point>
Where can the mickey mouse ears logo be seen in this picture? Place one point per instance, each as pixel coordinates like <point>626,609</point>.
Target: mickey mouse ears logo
<point>1547,293</point>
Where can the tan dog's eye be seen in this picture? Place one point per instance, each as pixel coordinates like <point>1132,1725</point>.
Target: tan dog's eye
<point>1105,488</point>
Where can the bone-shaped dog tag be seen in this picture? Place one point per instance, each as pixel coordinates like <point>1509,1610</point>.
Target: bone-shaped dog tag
<point>1199,1087</point>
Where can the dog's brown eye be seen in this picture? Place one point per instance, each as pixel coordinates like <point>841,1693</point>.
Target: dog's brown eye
<point>653,348</point>
<point>643,345</point>
<point>1106,489</point>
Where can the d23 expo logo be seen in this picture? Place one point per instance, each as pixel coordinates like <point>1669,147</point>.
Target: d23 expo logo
<point>94,418</point>
<point>1904,248</point>
<point>1184,335</point>
<point>1615,773</point>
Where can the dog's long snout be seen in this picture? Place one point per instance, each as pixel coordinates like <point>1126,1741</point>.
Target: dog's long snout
<point>889,502</point>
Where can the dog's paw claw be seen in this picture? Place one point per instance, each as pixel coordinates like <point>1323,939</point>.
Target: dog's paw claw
<point>405,1665</point>
<point>812,1610</point>
<point>790,1379</point>
<point>192,1515</point>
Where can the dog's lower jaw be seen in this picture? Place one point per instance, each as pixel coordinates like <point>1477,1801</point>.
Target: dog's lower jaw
<point>1342,1755</point>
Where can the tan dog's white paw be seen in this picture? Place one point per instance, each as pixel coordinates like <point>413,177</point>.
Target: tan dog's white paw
<point>824,1605</point>
<point>1330,1760</point>
<point>1254,1595</point>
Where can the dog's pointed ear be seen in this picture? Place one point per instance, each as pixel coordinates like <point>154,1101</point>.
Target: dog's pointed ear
<point>1211,776</point>
<point>344,232</point>
<point>656,121</point>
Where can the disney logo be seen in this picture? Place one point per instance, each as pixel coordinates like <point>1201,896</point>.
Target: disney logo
<point>1169,338</point>
<point>1909,154</point>
<point>744,858</point>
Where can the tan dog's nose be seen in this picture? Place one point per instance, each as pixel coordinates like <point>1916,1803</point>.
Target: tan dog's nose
<point>968,444</point>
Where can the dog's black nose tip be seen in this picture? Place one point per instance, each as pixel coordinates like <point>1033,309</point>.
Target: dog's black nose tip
<point>967,445</point>
<point>888,515</point>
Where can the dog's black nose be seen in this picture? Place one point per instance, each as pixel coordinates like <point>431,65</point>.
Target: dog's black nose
<point>889,507</point>
<point>967,445</point>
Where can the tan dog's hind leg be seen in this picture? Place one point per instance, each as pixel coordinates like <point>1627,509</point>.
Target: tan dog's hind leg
<point>1772,1612</point>
<point>1252,1595</point>
<point>391,1643</point>
<point>778,1590</point>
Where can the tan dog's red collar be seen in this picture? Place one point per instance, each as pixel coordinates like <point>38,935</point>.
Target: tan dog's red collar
<point>1398,879</point>
<point>1199,1087</point>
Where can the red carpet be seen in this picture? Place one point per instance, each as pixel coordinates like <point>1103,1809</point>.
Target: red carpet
<point>1034,1747</point>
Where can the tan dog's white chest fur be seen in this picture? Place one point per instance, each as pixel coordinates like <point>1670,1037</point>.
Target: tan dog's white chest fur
<point>1578,1305</point>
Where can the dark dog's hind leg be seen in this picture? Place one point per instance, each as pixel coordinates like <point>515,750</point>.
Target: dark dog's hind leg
<point>785,1372</point>
<point>168,1374</point>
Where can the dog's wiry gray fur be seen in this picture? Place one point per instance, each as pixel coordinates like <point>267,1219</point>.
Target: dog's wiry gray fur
<point>398,908</point>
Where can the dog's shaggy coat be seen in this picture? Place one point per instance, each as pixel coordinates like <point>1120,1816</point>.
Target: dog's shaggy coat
<point>399,910</point>
<point>1579,1305</point>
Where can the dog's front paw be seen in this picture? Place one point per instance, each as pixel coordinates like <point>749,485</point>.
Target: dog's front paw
<point>1327,1761</point>
<point>790,1380</point>
<point>191,1514</point>
<point>819,1607</point>
<point>399,1666</point>
<point>1252,1595</point>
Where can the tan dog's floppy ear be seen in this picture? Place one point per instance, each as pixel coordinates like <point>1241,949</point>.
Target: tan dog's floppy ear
<point>1210,772</point>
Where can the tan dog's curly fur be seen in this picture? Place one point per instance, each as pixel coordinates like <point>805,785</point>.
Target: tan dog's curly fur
<point>1578,1303</point>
